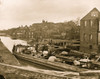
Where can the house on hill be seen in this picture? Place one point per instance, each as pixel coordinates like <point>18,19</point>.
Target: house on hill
<point>90,32</point>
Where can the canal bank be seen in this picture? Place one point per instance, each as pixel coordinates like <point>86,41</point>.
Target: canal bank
<point>16,72</point>
<point>6,56</point>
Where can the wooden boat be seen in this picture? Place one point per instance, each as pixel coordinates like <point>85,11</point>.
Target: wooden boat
<point>46,63</point>
<point>93,64</point>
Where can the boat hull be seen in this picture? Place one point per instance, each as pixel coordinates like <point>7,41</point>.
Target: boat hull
<point>46,63</point>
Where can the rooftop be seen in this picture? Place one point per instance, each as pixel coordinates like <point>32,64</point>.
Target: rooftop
<point>94,13</point>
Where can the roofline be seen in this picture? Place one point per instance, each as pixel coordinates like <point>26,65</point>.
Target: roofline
<point>90,12</point>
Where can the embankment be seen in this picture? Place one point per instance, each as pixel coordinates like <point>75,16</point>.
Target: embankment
<point>6,56</point>
<point>16,72</point>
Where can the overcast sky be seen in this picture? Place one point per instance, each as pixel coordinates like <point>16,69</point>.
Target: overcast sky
<point>14,13</point>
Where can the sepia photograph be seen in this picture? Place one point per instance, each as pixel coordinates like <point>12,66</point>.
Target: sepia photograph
<point>49,39</point>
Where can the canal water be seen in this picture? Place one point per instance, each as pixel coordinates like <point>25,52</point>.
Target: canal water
<point>8,42</point>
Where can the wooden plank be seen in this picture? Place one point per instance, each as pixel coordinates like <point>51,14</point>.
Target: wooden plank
<point>55,65</point>
<point>90,73</point>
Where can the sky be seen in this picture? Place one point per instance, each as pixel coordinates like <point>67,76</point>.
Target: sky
<point>14,13</point>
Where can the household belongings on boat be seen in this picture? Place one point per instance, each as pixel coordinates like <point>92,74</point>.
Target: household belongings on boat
<point>52,61</point>
<point>34,51</point>
<point>73,60</point>
<point>24,49</point>
<point>52,58</point>
<point>82,62</point>
<point>90,61</point>
<point>85,62</point>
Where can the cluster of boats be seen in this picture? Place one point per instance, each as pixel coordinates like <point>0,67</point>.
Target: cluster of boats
<point>69,59</point>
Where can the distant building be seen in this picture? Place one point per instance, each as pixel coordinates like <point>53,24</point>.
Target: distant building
<point>3,34</point>
<point>22,33</point>
<point>90,32</point>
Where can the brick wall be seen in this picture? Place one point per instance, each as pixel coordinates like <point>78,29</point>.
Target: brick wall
<point>86,42</point>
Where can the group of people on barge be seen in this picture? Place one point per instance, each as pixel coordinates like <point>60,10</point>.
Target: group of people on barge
<point>48,52</point>
<point>38,51</point>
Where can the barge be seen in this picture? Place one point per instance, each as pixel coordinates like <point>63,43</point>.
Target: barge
<point>46,63</point>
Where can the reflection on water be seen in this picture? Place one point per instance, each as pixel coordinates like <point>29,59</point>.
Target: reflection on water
<point>8,42</point>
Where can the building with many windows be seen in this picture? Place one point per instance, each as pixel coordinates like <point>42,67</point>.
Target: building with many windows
<point>90,32</point>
